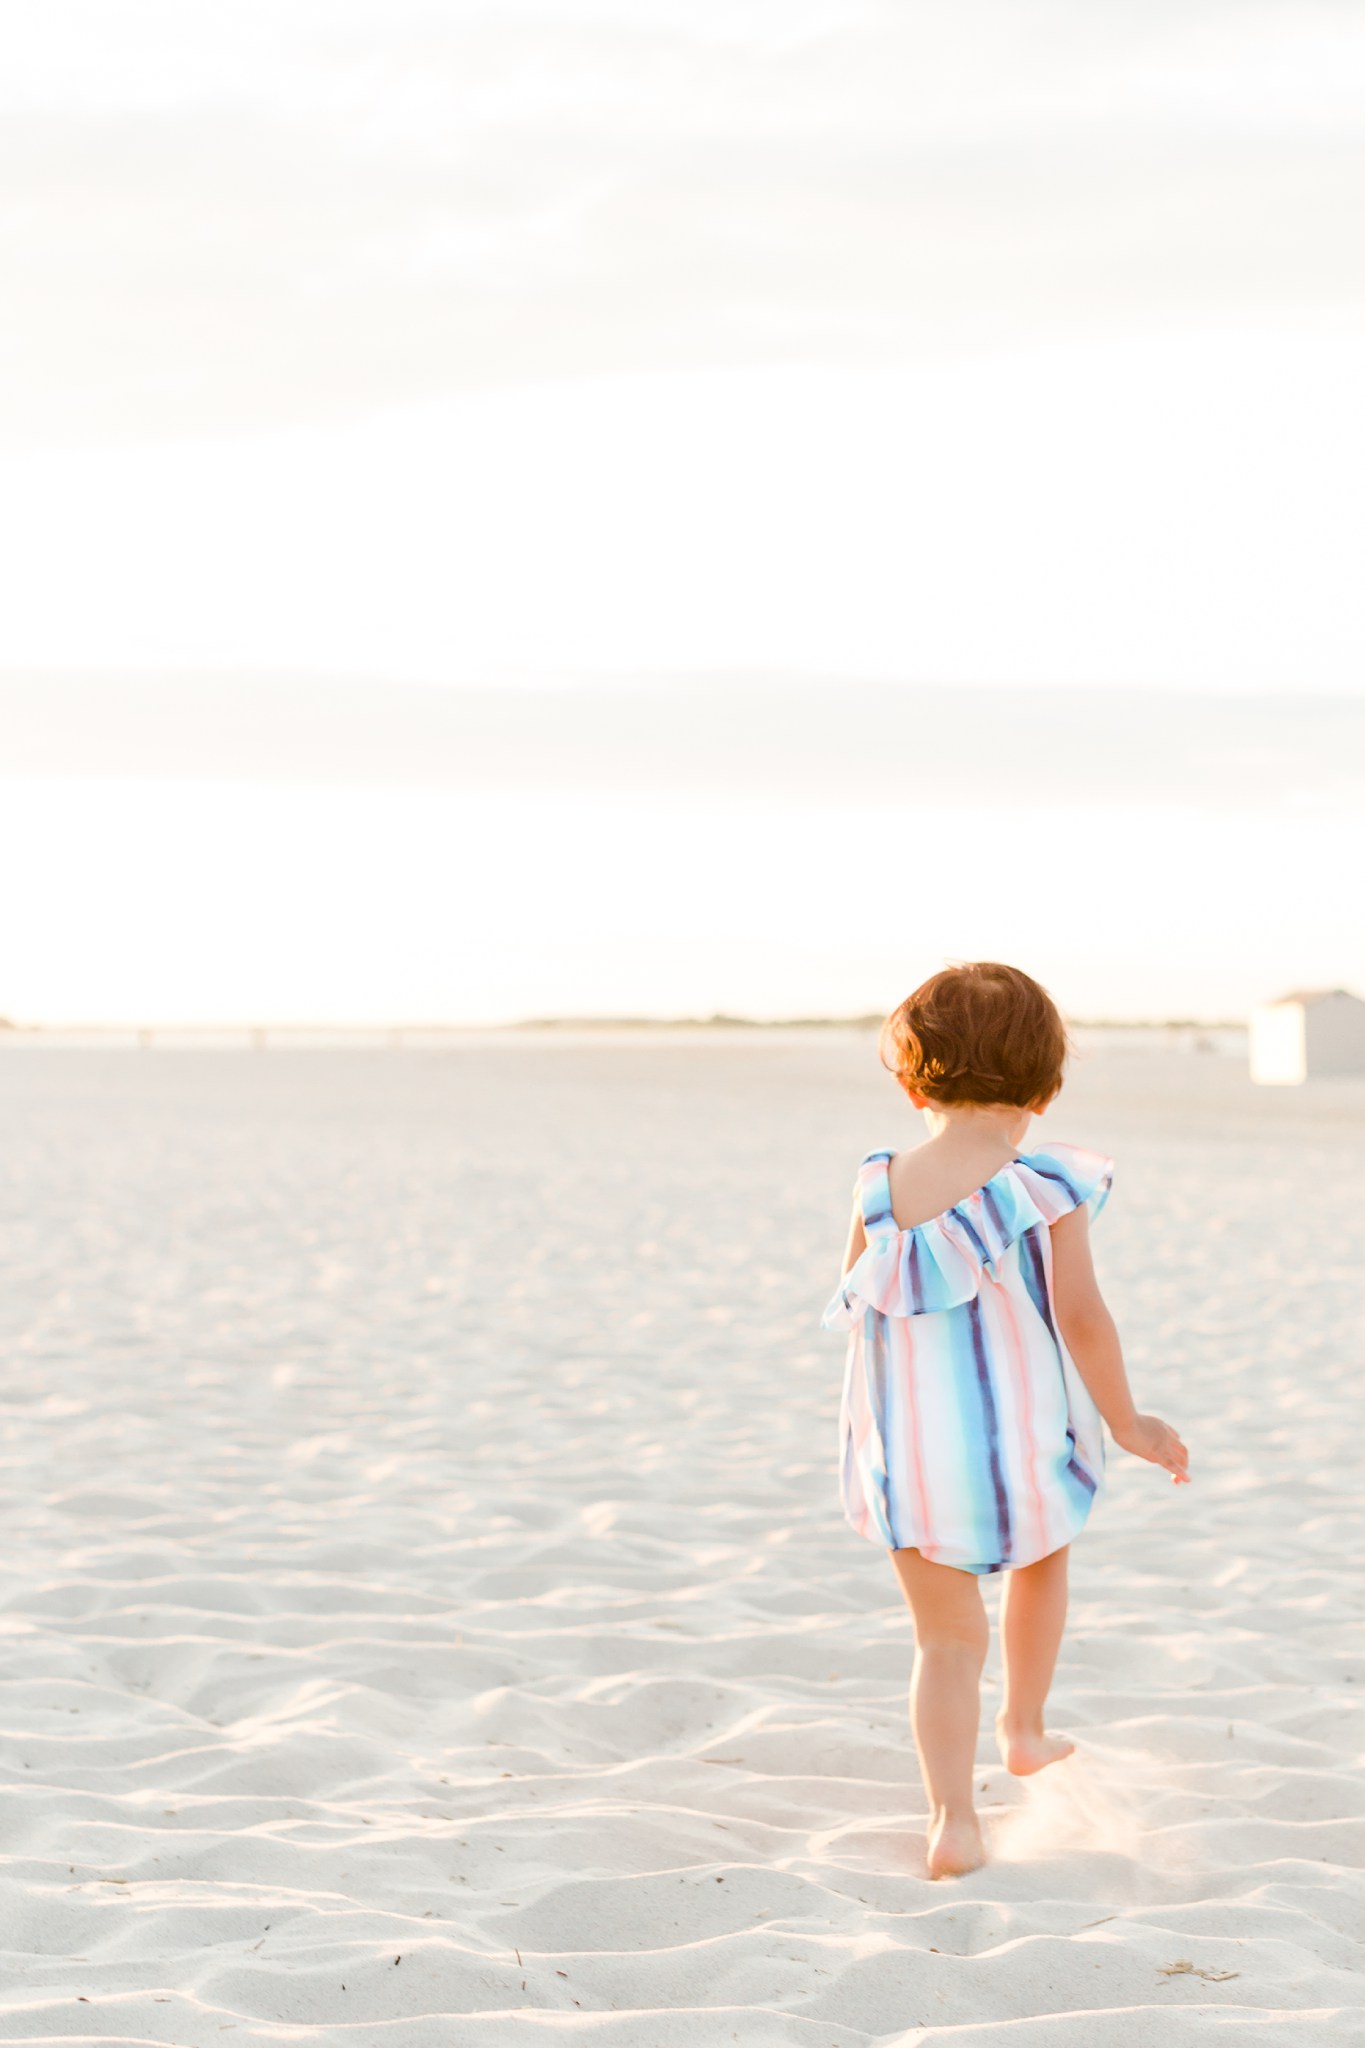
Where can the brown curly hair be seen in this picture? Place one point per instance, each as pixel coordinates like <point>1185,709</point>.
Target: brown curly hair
<point>981,1032</point>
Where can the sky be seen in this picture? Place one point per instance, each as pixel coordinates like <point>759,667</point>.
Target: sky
<point>432,437</point>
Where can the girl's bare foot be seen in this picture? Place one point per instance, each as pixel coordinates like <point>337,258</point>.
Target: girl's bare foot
<point>1026,1750</point>
<point>955,1845</point>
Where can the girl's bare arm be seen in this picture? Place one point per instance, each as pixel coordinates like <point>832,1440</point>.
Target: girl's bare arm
<point>1087,1329</point>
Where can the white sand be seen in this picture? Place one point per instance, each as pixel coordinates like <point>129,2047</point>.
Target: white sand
<point>421,1542</point>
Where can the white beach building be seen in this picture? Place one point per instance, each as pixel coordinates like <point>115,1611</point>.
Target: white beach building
<point>1307,1033</point>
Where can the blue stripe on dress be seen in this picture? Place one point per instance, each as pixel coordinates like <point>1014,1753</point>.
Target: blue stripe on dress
<point>914,1274</point>
<point>891,1423</point>
<point>1035,1279</point>
<point>875,1197</point>
<point>1079,1473</point>
<point>974,1234</point>
<point>876,1490</point>
<point>1073,1192</point>
<point>990,1422</point>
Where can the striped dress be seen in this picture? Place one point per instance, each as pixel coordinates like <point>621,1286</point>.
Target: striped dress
<point>965,1431</point>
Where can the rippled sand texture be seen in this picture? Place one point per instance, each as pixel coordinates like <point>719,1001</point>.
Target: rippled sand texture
<point>428,1619</point>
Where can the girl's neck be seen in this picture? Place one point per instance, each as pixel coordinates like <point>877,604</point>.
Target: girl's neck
<point>978,1130</point>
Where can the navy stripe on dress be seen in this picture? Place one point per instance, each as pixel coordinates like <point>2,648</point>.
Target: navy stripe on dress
<point>1035,1279</point>
<point>992,1209</point>
<point>914,1275</point>
<point>973,1233</point>
<point>1073,1192</point>
<point>991,1425</point>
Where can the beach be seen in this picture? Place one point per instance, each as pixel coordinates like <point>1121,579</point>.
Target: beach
<point>428,1616</point>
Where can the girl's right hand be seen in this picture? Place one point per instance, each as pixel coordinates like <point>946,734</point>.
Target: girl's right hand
<point>1147,1436</point>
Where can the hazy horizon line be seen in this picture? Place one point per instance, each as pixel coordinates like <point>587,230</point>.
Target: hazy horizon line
<point>719,1020</point>
<point>624,680</point>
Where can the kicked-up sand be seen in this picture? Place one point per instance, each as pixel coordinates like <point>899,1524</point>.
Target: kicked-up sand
<point>426,1615</point>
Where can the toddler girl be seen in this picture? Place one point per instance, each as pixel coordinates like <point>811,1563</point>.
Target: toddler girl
<point>981,1358</point>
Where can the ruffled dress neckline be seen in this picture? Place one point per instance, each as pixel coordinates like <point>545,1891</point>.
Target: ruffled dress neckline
<point>941,1263</point>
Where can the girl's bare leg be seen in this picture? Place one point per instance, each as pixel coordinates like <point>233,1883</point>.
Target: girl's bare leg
<point>951,1634</point>
<point>1032,1617</point>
